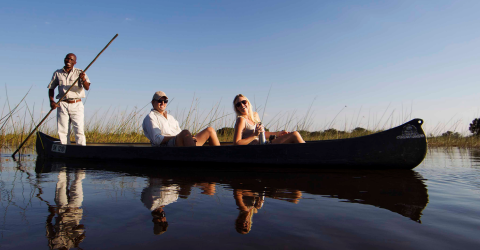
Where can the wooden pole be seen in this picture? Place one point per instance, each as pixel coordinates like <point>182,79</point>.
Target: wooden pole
<point>44,118</point>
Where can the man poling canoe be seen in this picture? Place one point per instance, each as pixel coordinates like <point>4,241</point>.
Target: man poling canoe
<point>60,99</point>
<point>70,109</point>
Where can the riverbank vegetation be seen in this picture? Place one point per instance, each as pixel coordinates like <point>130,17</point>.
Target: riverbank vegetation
<point>125,126</point>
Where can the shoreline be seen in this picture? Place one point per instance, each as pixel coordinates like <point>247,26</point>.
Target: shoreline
<point>11,142</point>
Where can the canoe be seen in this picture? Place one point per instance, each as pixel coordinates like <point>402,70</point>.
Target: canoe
<point>402,147</point>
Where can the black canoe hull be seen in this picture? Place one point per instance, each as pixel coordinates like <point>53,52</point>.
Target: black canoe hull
<point>402,147</point>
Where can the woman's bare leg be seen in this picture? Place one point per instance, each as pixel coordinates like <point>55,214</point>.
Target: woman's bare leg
<point>293,137</point>
<point>206,134</point>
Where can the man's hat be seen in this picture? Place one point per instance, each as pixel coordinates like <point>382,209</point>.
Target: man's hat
<point>158,95</point>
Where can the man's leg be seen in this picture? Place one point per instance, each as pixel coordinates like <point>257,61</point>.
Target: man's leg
<point>184,139</point>
<point>77,117</point>
<point>207,134</point>
<point>69,135</point>
<point>63,122</point>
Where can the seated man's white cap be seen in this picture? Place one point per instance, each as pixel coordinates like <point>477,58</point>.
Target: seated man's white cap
<point>158,95</point>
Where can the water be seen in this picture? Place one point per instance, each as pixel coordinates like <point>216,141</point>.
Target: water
<point>54,205</point>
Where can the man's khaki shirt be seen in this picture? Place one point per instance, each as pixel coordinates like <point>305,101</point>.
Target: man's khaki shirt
<point>64,80</point>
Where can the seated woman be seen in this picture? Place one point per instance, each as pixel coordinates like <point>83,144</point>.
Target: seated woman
<point>247,127</point>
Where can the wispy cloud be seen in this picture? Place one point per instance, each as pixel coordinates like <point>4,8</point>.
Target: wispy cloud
<point>47,23</point>
<point>128,19</point>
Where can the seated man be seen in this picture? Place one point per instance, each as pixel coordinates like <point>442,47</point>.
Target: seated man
<point>163,130</point>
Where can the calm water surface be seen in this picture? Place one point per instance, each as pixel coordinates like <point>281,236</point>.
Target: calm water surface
<point>72,205</point>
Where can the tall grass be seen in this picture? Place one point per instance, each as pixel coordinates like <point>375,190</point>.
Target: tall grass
<point>448,141</point>
<point>125,126</point>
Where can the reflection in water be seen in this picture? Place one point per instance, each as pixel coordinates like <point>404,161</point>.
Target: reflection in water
<point>453,157</point>
<point>475,155</point>
<point>161,192</point>
<point>66,232</point>
<point>248,203</point>
<point>334,210</point>
<point>399,191</point>
<point>155,197</point>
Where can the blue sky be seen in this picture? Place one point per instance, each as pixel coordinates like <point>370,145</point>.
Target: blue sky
<point>381,59</point>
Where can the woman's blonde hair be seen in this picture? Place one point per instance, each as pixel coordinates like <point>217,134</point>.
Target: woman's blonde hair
<point>245,216</point>
<point>250,111</point>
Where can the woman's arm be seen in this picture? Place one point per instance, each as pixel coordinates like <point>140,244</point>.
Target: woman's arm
<point>237,136</point>
<point>238,196</point>
<point>268,134</point>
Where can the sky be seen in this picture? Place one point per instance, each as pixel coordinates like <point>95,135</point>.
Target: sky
<point>341,64</point>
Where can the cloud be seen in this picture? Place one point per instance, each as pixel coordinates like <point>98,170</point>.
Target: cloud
<point>47,23</point>
<point>128,19</point>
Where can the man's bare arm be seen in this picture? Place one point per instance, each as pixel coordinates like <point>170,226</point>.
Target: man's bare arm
<point>53,104</point>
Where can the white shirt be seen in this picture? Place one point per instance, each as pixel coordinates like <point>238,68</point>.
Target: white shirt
<point>155,196</point>
<point>156,127</point>
<point>64,80</point>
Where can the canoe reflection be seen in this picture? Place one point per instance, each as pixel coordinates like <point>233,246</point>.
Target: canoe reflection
<point>399,191</point>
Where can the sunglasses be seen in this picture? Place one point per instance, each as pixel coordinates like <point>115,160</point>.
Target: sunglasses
<point>238,104</point>
<point>160,101</point>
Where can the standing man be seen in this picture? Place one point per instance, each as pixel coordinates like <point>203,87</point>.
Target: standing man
<point>70,109</point>
<point>163,130</point>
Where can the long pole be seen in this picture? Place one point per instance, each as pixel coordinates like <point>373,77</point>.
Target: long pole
<point>44,118</point>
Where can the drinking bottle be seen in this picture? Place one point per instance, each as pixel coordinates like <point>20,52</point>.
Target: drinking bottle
<point>261,136</point>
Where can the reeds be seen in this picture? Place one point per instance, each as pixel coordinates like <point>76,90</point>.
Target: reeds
<point>450,141</point>
<point>125,126</point>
